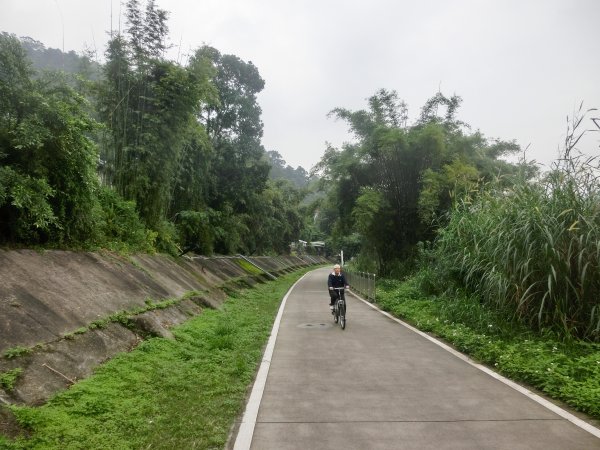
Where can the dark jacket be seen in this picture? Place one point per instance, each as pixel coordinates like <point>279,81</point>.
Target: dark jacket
<point>336,281</point>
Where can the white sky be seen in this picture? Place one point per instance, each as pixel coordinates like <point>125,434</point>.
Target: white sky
<point>521,66</point>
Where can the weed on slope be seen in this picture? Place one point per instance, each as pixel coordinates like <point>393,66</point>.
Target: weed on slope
<point>181,393</point>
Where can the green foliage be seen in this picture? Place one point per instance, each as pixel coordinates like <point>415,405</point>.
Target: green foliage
<point>233,124</point>
<point>195,178</point>
<point>440,188</point>
<point>248,267</point>
<point>368,208</point>
<point>281,171</point>
<point>229,229</point>
<point>9,378</point>
<point>178,155</point>
<point>396,181</point>
<point>15,352</point>
<point>275,220</point>
<point>122,228</point>
<point>15,79</point>
<point>50,163</point>
<point>533,249</point>
<point>148,105</point>
<point>271,222</point>
<point>167,239</point>
<point>195,231</point>
<point>52,59</point>
<point>24,206</point>
<point>136,399</point>
<point>566,371</point>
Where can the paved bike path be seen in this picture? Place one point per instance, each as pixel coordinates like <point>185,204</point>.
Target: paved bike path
<point>380,385</point>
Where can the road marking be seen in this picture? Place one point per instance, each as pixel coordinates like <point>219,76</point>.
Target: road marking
<point>243,439</point>
<point>542,401</point>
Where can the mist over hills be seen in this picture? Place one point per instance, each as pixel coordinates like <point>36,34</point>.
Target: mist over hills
<point>53,59</point>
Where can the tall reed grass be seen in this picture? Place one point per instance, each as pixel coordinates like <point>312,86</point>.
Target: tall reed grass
<point>533,249</point>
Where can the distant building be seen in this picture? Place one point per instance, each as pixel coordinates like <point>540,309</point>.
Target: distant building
<point>314,247</point>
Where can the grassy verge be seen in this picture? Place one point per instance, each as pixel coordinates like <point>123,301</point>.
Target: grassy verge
<point>567,371</point>
<point>182,393</point>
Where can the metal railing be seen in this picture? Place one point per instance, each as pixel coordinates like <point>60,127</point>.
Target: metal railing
<point>363,283</point>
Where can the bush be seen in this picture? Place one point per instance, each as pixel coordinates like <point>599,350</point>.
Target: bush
<point>8,379</point>
<point>25,212</point>
<point>167,239</point>
<point>195,232</point>
<point>122,228</point>
<point>48,182</point>
<point>534,248</point>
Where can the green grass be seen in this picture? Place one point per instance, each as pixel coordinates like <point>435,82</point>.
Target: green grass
<point>248,267</point>
<point>9,378</point>
<point>17,351</point>
<point>182,393</point>
<point>565,370</point>
<point>122,317</point>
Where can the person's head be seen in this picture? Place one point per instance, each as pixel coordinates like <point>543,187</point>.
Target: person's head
<point>337,268</point>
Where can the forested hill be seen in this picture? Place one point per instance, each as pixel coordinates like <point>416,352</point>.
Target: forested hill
<point>281,170</point>
<point>43,58</point>
<point>140,153</point>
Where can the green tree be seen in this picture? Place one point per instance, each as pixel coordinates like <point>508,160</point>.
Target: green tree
<point>235,128</point>
<point>149,105</point>
<point>395,182</point>
<point>276,221</point>
<point>48,183</point>
<point>239,167</point>
<point>282,171</point>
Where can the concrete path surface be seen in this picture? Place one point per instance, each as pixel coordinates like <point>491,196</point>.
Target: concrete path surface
<point>379,385</point>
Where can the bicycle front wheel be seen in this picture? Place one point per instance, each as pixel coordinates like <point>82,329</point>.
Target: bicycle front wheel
<point>342,309</point>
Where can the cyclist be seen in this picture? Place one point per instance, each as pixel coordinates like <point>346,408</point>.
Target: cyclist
<point>336,280</point>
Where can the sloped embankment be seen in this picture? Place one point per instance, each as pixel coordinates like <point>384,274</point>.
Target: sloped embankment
<point>64,313</point>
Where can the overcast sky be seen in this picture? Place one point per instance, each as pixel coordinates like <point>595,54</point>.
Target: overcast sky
<point>520,66</point>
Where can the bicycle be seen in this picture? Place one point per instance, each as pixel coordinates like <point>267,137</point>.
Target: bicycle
<point>339,308</point>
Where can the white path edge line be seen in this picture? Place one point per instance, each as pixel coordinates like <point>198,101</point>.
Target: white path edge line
<point>542,401</point>
<point>246,430</point>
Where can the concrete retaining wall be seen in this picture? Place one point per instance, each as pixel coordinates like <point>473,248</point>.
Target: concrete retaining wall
<point>49,299</point>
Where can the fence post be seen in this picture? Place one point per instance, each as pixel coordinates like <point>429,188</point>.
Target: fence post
<point>362,283</point>
<point>374,290</point>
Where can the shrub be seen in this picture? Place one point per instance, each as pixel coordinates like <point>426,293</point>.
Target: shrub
<point>25,212</point>
<point>195,231</point>
<point>9,378</point>
<point>15,352</point>
<point>534,247</point>
<point>122,227</point>
<point>167,239</point>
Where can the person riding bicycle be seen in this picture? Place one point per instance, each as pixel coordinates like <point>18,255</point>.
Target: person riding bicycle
<point>336,280</point>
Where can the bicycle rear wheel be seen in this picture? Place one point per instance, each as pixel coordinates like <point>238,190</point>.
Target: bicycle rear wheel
<point>336,313</point>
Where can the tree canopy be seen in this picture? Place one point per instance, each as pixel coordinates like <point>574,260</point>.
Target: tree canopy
<point>152,154</point>
<point>392,186</point>
<point>149,154</point>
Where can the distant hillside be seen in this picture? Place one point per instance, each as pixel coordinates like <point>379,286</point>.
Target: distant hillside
<point>281,170</point>
<point>43,58</point>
